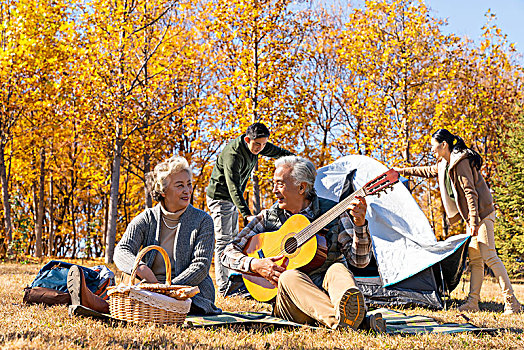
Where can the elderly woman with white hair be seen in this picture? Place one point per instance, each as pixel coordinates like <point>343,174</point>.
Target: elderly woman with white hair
<point>186,233</point>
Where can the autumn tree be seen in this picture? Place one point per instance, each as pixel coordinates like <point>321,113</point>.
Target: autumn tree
<point>139,75</point>
<point>35,53</point>
<point>10,112</point>
<point>116,67</point>
<point>480,92</point>
<point>257,45</point>
<point>508,194</point>
<point>319,86</point>
<point>95,93</point>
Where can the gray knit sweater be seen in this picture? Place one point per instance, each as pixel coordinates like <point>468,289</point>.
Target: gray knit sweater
<point>194,247</point>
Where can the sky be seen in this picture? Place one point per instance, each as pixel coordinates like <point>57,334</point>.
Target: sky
<point>466,17</point>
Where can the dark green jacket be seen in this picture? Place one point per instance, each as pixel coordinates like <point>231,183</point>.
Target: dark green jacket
<point>233,169</point>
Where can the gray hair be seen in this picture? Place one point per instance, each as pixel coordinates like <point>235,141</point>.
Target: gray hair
<point>156,180</point>
<point>303,172</point>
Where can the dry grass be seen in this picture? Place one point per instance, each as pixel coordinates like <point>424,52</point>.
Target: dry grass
<point>38,327</point>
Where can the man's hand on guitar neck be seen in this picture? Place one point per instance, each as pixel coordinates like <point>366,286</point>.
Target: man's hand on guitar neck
<point>357,208</point>
<point>268,269</point>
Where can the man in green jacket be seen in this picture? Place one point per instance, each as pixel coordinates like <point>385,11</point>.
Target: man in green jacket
<point>225,192</point>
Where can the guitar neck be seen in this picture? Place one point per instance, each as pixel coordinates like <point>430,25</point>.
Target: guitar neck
<point>333,213</point>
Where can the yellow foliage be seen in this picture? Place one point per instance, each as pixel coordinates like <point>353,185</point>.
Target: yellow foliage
<point>103,85</point>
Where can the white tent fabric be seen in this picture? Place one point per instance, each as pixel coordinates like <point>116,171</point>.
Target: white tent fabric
<point>403,240</point>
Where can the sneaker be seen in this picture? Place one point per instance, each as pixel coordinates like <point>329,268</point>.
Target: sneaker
<point>235,286</point>
<point>512,305</point>
<point>374,323</point>
<point>351,309</point>
<point>470,305</point>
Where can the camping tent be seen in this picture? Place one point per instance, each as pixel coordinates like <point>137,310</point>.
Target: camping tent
<point>410,267</point>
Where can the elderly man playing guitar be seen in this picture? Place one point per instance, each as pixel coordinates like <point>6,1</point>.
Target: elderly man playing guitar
<point>320,289</point>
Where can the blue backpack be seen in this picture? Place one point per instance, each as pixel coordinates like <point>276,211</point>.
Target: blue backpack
<point>53,275</point>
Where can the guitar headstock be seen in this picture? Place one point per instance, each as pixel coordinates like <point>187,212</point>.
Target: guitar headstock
<point>381,183</point>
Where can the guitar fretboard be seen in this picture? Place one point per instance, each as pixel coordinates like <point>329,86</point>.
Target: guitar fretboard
<point>326,218</point>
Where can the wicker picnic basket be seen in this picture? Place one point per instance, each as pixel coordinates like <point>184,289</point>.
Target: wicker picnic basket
<point>134,303</point>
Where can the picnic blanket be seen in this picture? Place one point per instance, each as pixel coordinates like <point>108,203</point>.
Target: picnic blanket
<point>245,317</point>
<point>399,323</point>
<point>396,322</point>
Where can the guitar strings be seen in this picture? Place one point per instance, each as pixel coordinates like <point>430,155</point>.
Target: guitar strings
<point>306,232</point>
<point>329,216</point>
<point>325,219</point>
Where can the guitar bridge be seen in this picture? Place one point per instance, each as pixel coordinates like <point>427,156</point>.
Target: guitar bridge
<point>261,254</point>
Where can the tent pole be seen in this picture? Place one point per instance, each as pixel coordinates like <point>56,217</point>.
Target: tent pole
<point>444,297</point>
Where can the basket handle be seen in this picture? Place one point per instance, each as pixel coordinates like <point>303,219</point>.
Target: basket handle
<point>141,255</point>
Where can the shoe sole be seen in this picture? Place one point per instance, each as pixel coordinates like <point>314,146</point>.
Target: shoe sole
<point>512,306</point>
<point>377,323</point>
<point>468,309</point>
<point>74,282</point>
<point>512,312</point>
<point>352,308</point>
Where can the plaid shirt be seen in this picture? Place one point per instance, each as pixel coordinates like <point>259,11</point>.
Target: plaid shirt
<point>354,241</point>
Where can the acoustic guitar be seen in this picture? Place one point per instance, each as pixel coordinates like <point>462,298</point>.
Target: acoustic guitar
<point>297,240</point>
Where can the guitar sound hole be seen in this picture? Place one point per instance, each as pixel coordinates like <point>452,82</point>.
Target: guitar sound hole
<point>291,245</point>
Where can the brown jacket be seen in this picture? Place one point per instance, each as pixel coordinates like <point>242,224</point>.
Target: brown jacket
<point>473,200</point>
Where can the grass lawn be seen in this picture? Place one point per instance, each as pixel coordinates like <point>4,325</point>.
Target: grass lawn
<point>39,327</point>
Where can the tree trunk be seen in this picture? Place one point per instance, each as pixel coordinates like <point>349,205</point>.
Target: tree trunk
<point>113,199</point>
<point>40,207</point>
<point>88,245</point>
<point>114,190</point>
<point>147,169</point>
<point>51,237</point>
<point>124,202</point>
<point>147,157</point>
<point>5,201</point>
<point>73,220</point>
<point>254,98</point>
<point>105,211</point>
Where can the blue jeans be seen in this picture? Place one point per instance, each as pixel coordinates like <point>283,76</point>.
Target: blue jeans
<point>225,219</point>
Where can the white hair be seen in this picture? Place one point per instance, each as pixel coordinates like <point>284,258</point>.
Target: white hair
<point>156,180</point>
<point>303,171</point>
